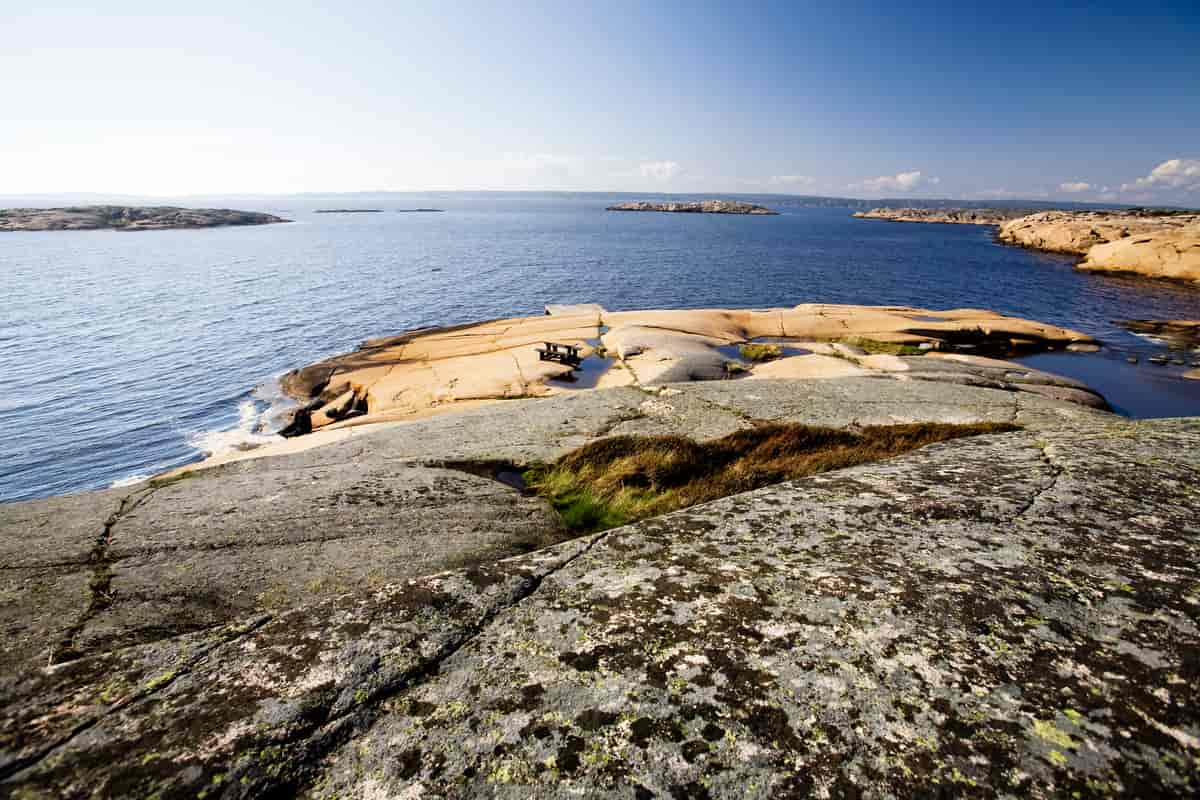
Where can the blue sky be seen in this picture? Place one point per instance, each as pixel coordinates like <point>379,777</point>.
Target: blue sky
<point>1066,101</point>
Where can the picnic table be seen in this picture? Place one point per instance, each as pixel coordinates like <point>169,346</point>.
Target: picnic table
<point>562,353</point>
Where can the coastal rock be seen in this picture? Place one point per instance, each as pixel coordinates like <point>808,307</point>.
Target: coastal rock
<point>438,370</point>
<point>1006,614</point>
<point>810,366</point>
<point>1166,254</point>
<point>1156,245</point>
<point>1182,333</point>
<point>567,310</point>
<point>1159,244</point>
<point>702,207</point>
<point>955,216</point>
<point>90,572</point>
<point>127,218</point>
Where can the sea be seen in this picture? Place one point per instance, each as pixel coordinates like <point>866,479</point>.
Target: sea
<point>126,354</point>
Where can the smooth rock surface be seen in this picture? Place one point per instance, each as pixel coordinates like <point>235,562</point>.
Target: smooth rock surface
<point>435,371</point>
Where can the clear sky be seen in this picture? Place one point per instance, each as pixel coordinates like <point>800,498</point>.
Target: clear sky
<point>1087,101</point>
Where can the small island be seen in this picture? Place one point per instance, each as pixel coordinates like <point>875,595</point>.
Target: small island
<point>127,218</point>
<point>701,207</point>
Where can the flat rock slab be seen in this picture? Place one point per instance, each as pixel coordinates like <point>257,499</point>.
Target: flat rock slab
<point>1014,614</point>
<point>90,573</point>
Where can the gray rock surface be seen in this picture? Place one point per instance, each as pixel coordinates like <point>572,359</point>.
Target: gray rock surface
<point>1012,614</point>
<point>126,218</point>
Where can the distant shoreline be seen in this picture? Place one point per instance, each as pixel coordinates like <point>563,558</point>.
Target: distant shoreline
<point>701,207</point>
<point>128,218</point>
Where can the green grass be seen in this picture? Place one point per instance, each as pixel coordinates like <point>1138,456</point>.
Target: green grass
<point>614,481</point>
<point>875,347</point>
<point>760,352</point>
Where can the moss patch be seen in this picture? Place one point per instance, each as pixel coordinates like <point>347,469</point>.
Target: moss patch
<point>621,479</point>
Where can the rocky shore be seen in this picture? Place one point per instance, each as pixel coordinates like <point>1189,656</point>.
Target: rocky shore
<point>1161,246</point>
<point>1150,243</point>
<point>702,207</point>
<point>126,218</point>
<point>1005,614</point>
<point>1179,333</point>
<point>435,371</point>
<point>953,216</point>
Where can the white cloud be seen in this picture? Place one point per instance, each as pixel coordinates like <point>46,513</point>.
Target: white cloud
<point>900,182</point>
<point>659,170</point>
<point>1177,173</point>
<point>790,180</point>
<point>1074,187</point>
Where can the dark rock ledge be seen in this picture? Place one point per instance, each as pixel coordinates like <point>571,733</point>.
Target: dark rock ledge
<point>1004,615</point>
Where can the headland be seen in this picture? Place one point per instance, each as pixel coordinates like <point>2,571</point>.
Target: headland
<point>1157,244</point>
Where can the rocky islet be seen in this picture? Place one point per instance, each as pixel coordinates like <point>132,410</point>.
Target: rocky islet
<point>127,218</point>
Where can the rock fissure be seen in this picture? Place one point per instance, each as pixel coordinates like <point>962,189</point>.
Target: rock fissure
<point>100,585</point>
<point>1056,472</point>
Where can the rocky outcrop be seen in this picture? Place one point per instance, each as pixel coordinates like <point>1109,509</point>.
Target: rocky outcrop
<point>702,207</point>
<point>126,218</point>
<point>1182,333</point>
<point>1156,245</point>
<point>445,369</point>
<point>1002,615</point>
<point>955,216</point>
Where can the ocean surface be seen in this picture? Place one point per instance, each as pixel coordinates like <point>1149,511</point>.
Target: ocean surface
<point>125,354</point>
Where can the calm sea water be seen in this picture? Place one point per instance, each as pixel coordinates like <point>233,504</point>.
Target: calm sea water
<point>127,354</point>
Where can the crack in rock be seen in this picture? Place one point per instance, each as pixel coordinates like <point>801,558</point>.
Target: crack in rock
<point>100,588</point>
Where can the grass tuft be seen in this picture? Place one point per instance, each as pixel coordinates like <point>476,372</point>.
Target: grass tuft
<point>760,352</point>
<point>621,479</point>
<point>876,347</point>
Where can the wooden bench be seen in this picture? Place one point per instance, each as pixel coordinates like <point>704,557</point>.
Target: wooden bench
<point>562,353</point>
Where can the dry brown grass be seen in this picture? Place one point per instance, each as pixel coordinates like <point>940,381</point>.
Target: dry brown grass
<point>625,478</point>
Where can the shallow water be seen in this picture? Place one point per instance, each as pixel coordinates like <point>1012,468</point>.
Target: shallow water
<point>125,354</point>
